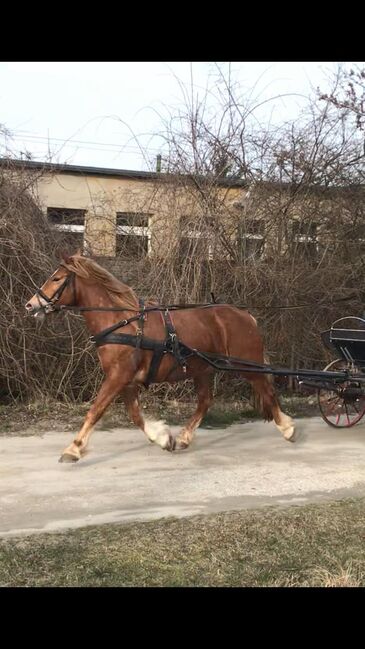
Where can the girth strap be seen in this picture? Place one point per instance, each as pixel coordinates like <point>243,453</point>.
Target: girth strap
<point>134,340</point>
<point>171,345</point>
<point>172,340</point>
<point>141,321</point>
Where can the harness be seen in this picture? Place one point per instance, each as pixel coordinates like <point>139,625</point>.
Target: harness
<point>171,344</point>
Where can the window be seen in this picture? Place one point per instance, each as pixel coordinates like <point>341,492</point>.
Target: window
<point>71,222</point>
<point>131,247</point>
<point>196,236</point>
<point>193,247</point>
<point>305,238</point>
<point>304,230</point>
<point>349,240</point>
<point>356,232</point>
<point>192,225</point>
<point>66,218</point>
<point>251,238</point>
<point>133,234</point>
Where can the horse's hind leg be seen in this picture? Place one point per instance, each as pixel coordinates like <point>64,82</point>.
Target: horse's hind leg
<point>269,406</point>
<point>204,392</point>
<point>156,431</point>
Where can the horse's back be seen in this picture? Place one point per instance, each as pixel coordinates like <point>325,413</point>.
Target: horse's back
<point>221,329</point>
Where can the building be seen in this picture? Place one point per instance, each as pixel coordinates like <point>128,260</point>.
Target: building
<point>106,210</point>
<point>111,212</point>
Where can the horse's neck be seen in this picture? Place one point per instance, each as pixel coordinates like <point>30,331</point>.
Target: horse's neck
<point>96,296</point>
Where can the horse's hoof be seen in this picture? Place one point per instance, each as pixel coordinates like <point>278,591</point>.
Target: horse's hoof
<point>170,446</point>
<point>67,457</point>
<point>181,445</point>
<point>289,435</point>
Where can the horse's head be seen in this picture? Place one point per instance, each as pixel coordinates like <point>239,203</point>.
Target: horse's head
<point>58,289</point>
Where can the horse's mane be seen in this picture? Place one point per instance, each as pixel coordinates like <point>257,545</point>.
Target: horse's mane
<point>120,294</point>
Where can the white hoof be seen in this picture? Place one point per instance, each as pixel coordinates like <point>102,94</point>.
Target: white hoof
<point>287,429</point>
<point>159,433</point>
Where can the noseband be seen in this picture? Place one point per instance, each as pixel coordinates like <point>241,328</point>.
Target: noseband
<point>51,301</point>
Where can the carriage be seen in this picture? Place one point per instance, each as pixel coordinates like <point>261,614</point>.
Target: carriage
<point>342,404</point>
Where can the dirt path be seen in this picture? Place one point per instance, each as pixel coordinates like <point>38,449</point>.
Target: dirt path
<point>123,477</point>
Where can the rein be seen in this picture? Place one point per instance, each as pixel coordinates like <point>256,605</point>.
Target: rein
<point>176,307</point>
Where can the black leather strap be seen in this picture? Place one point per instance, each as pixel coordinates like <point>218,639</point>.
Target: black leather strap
<point>139,342</point>
<point>133,341</point>
<point>141,320</point>
<point>159,347</point>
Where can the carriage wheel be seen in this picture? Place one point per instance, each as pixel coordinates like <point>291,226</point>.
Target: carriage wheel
<point>335,409</point>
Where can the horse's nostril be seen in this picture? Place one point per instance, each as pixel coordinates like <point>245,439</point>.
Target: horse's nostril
<point>28,306</point>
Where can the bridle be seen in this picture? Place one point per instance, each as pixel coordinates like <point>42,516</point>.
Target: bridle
<point>52,301</point>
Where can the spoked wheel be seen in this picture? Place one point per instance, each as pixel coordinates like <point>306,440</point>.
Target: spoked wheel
<point>343,406</point>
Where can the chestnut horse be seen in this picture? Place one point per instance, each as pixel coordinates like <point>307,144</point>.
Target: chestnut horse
<point>220,329</point>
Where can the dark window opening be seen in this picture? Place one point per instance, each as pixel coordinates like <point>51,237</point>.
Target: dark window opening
<point>251,238</point>
<point>356,232</point>
<point>195,237</point>
<point>196,224</point>
<point>133,219</point>
<point>304,228</point>
<point>251,247</point>
<point>193,247</point>
<point>252,227</point>
<point>65,216</point>
<point>306,249</point>
<point>305,243</point>
<point>131,246</point>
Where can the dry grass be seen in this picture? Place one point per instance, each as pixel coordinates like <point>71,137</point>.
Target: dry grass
<point>315,545</point>
<point>49,415</point>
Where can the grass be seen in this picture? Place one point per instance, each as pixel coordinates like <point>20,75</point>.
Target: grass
<point>312,545</point>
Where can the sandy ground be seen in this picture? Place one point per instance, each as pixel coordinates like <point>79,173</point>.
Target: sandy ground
<point>124,477</point>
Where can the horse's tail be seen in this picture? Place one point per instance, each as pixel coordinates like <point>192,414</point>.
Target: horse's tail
<point>264,394</point>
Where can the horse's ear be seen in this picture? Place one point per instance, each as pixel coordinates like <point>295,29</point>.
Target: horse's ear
<point>79,252</point>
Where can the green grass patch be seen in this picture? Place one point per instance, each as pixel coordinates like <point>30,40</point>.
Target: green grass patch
<point>314,545</point>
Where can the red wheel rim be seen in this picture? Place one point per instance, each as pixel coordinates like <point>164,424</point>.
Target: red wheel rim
<point>334,409</point>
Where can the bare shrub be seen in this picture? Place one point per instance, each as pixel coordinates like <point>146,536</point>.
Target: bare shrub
<point>270,218</point>
<point>35,362</point>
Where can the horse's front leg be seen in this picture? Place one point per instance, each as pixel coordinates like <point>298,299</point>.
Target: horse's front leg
<point>111,386</point>
<point>156,431</point>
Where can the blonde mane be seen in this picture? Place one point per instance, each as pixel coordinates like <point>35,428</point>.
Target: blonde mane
<point>88,269</point>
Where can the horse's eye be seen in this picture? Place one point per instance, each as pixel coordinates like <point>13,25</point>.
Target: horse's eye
<point>56,279</point>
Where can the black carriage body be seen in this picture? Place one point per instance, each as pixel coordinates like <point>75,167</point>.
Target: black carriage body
<point>348,343</point>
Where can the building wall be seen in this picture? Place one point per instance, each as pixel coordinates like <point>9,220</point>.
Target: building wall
<point>168,200</point>
<point>103,197</point>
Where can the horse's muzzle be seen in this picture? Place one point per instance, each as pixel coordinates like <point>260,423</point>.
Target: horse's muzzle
<point>39,311</point>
